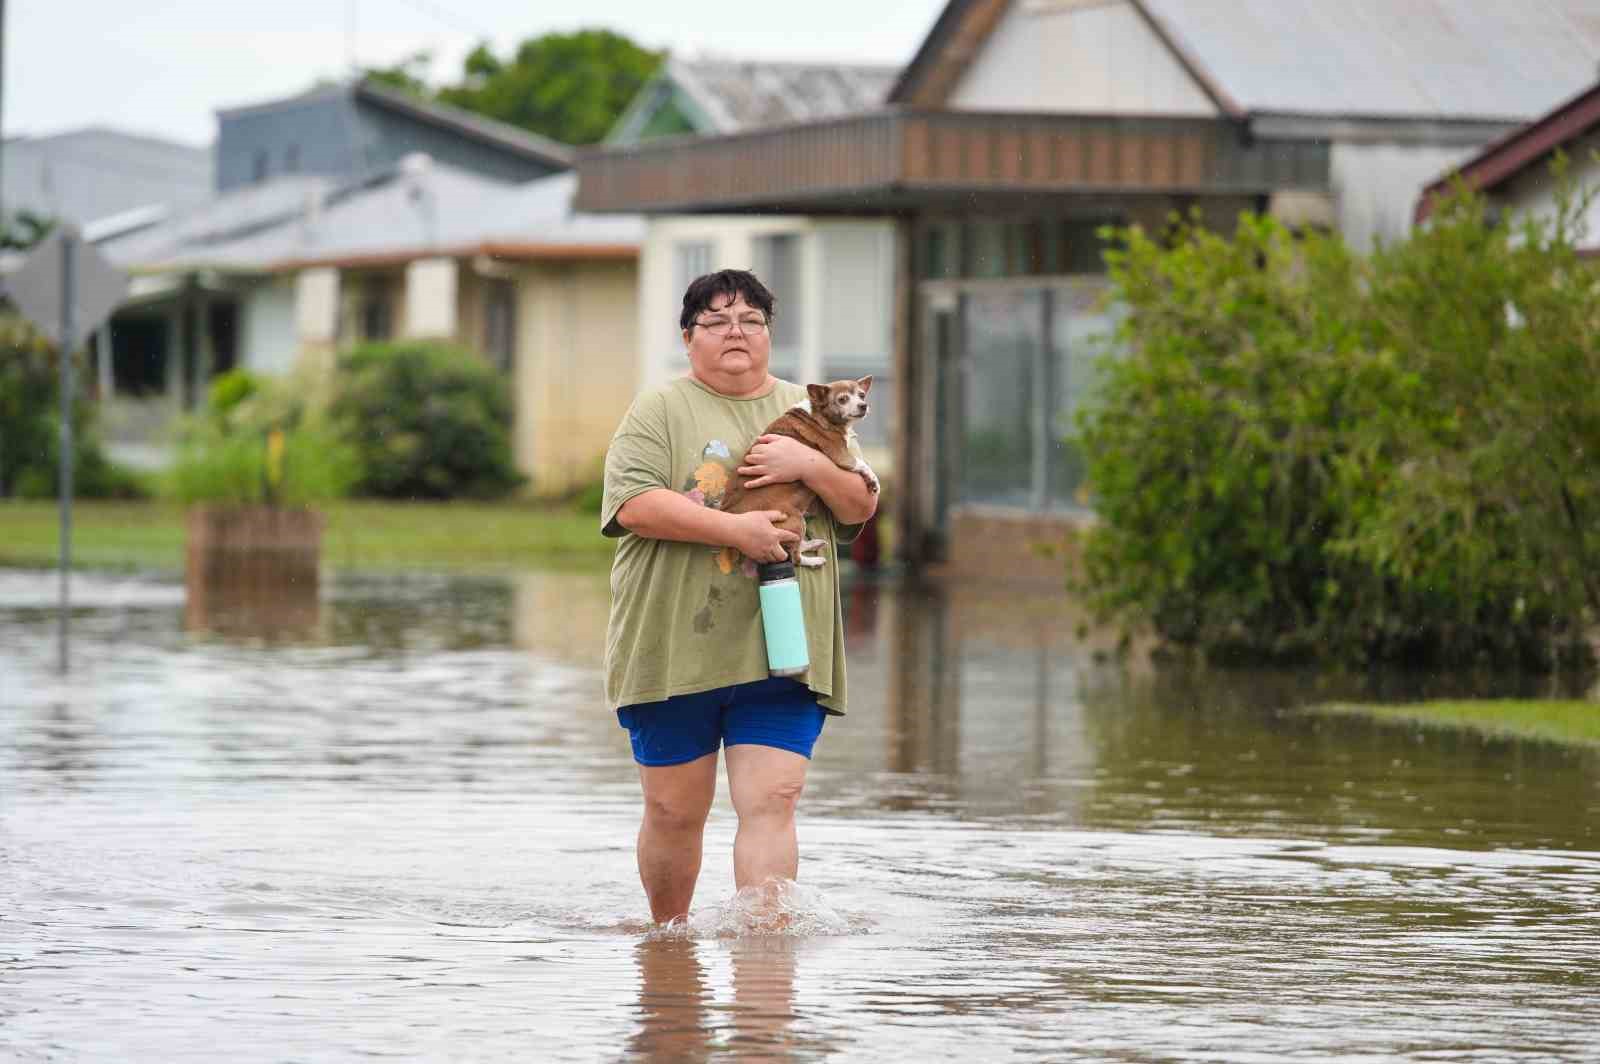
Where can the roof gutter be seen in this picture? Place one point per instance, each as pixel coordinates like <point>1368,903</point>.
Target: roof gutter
<point>1512,154</point>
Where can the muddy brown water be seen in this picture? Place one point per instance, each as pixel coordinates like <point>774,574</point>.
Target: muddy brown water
<point>397,822</point>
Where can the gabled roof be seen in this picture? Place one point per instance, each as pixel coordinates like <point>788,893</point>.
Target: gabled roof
<point>88,173</point>
<point>501,135</point>
<point>1520,151</point>
<point>420,209</point>
<point>727,96</point>
<point>1462,59</point>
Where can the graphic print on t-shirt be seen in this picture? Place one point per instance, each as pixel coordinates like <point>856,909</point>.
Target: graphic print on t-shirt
<point>708,486</point>
<point>710,479</point>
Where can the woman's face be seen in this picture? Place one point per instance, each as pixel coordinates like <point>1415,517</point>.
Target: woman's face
<point>729,346</point>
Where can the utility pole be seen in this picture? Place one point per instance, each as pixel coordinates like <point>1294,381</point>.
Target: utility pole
<point>2,114</point>
<point>69,343</point>
<point>349,37</point>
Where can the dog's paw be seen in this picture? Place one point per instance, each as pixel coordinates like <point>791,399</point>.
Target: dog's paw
<point>810,561</point>
<point>867,475</point>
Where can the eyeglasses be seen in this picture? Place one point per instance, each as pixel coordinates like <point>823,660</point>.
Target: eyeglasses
<point>719,326</point>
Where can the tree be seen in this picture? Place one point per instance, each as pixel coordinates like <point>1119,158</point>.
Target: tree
<point>570,87</point>
<point>408,75</point>
<point>24,229</point>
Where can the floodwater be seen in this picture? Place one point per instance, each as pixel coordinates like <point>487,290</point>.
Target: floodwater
<point>397,821</point>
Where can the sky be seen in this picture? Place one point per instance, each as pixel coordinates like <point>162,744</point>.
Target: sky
<point>163,68</point>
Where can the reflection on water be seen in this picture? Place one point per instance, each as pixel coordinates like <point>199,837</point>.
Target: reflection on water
<point>269,594</point>
<point>408,829</point>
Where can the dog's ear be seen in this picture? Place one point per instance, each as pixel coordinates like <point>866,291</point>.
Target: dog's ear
<point>866,383</point>
<point>819,396</point>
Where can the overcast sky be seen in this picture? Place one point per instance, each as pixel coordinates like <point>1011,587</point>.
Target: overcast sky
<point>163,67</point>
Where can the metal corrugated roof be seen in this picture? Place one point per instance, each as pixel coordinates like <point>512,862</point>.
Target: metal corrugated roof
<point>740,96</point>
<point>1500,59</point>
<point>436,207</point>
<point>479,127</point>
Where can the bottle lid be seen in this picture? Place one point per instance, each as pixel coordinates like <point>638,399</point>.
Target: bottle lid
<point>771,571</point>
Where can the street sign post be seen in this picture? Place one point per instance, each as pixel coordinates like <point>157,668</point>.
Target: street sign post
<point>66,288</point>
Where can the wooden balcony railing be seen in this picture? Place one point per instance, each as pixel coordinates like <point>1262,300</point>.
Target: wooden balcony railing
<point>894,158</point>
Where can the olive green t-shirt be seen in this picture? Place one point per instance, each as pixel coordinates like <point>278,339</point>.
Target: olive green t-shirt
<point>686,617</point>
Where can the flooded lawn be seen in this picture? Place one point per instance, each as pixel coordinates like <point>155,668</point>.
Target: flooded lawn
<point>397,821</point>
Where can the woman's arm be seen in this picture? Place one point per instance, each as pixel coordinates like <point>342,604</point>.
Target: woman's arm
<point>845,491</point>
<point>780,459</point>
<point>663,514</point>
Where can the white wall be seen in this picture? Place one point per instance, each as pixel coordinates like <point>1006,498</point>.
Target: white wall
<point>1536,189</point>
<point>1097,56</point>
<point>431,298</point>
<point>846,297</point>
<point>1376,186</point>
<point>845,302</point>
<point>316,300</point>
<point>269,337</point>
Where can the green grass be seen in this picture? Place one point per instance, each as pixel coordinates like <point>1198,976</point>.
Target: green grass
<point>359,534</point>
<point>1554,721</point>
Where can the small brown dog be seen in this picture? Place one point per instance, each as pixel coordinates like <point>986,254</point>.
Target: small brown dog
<point>823,423</point>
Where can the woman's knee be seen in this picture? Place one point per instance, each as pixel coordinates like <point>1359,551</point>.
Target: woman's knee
<point>774,799</point>
<point>676,813</point>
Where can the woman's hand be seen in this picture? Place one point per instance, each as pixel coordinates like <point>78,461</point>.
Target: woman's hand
<point>778,460</point>
<point>758,538</point>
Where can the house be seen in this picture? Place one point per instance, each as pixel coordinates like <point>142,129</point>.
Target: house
<point>840,263</point>
<point>1514,171</point>
<point>96,173</point>
<point>357,212</point>
<point>275,275</point>
<point>1021,127</point>
<point>711,97</point>
<point>357,127</point>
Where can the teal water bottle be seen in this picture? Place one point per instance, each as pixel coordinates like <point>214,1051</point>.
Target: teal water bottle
<point>783,620</point>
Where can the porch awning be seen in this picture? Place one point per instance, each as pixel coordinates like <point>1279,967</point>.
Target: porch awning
<point>900,160</point>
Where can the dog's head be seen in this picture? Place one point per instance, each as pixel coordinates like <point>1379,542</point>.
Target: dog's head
<point>842,401</point>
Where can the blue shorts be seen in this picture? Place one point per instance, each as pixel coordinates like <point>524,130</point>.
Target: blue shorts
<point>776,712</point>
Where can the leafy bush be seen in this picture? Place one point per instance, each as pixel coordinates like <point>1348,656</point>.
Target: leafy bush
<point>1301,453</point>
<point>1481,448</point>
<point>1211,444</point>
<point>257,441</point>
<point>427,420</point>
<point>30,425</point>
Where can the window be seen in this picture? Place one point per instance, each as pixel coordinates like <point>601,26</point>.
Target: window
<point>1080,332</point>
<point>690,259</point>
<point>777,264</point>
<point>291,159</point>
<point>499,323</point>
<point>998,248</point>
<point>376,311</point>
<point>1001,395</point>
<point>1026,362</point>
<point>259,173</point>
<point>858,311</point>
<point>139,345</point>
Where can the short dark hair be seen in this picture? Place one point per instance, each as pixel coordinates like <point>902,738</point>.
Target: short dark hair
<point>728,284</point>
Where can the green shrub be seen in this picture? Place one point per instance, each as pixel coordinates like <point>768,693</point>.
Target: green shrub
<point>427,420</point>
<point>1480,452</point>
<point>1209,447</point>
<point>1301,454</point>
<point>257,441</point>
<point>591,498</point>
<point>30,425</point>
